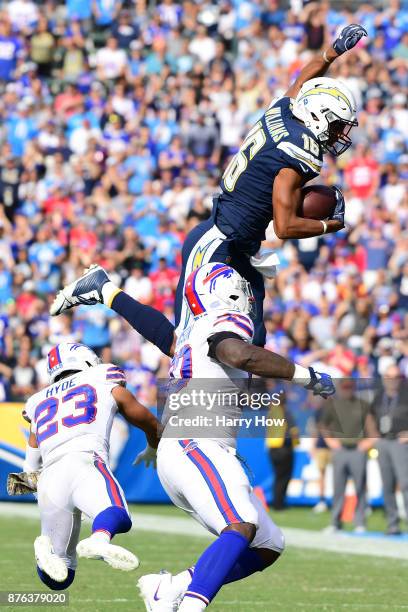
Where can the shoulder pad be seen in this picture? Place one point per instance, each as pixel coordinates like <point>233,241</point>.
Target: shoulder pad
<point>234,322</point>
<point>302,150</point>
<point>111,374</point>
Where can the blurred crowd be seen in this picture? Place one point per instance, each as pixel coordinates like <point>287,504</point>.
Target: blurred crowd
<point>117,119</point>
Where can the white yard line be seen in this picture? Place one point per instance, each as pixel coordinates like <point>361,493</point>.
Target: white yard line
<point>298,538</point>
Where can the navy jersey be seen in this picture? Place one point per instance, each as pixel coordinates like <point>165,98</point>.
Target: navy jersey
<point>278,140</point>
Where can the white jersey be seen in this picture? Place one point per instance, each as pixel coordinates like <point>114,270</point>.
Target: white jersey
<point>200,386</point>
<point>191,359</point>
<point>75,413</point>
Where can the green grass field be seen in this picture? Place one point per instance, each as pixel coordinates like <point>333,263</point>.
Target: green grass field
<point>301,580</point>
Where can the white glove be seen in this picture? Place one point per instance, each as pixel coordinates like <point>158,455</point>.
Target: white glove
<point>148,455</point>
<point>266,262</point>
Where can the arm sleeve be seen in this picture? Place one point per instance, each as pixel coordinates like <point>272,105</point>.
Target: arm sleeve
<point>114,375</point>
<point>215,339</point>
<point>149,322</point>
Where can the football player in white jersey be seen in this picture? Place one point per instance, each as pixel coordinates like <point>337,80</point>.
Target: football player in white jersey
<point>203,476</point>
<point>70,423</point>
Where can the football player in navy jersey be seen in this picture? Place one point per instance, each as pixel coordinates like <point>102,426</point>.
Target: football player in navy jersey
<point>263,181</point>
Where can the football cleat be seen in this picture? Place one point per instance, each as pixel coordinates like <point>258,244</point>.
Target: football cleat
<point>156,592</point>
<point>115,556</point>
<point>87,289</point>
<point>48,561</point>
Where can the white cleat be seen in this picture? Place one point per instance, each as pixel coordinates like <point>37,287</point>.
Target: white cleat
<point>48,561</point>
<point>155,590</point>
<point>87,289</point>
<point>116,556</point>
<point>320,507</point>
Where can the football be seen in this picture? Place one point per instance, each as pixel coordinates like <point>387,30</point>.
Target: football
<point>318,202</point>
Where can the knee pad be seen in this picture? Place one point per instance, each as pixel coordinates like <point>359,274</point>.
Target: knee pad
<point>53,584</point>
<point>113,519</point>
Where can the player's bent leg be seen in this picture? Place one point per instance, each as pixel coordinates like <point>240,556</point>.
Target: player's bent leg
<point>60,523</point>
<point>197,250</point>
<point>108,508</point>
<point>265,548</point>
<point>214,566</point>
<point>106,524</point>
<point>208,481</point>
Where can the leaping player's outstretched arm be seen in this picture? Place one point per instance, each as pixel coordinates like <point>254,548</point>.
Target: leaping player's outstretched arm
<point>237,353</point>
<point>289,182</point>
<point>136,414</point>
<point>319,64</point>
<point>233,351</point>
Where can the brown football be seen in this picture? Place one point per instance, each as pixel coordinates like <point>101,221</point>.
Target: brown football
<point>318,202</point>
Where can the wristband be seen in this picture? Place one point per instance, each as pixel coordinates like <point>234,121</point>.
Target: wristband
<point>324,225</point>
<point>326,59</point>
<point>302,374</point>
<point>109,292</point>
<point>32,459</point>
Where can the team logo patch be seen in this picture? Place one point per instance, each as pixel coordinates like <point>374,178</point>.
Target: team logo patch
<point>219,270</point>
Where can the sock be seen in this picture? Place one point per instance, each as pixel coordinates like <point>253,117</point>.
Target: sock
<point>109,291</point>
<point>112,520</point>
<point>149,322</point>
<point>53,584</point>
<point>214,566</point>
<point>248,563</point>
<point>101,536</point>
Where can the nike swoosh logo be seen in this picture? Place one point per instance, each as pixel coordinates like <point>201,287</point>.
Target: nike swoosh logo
<point>155,595</point>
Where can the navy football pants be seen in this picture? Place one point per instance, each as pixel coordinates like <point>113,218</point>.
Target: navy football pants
<point>206,243</point>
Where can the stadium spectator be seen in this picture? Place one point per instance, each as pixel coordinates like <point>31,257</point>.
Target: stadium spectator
<point>113,140</point>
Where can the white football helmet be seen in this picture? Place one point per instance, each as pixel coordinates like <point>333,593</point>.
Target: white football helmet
<point>217,286</point>
<point>68,356</point>
<point>327,107</point>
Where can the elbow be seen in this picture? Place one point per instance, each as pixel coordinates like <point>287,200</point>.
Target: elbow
<point>233,361</point>
<point>281,230</point>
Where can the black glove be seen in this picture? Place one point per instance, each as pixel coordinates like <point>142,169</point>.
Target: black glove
<point>349,37</point>
<point>338,213</point>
